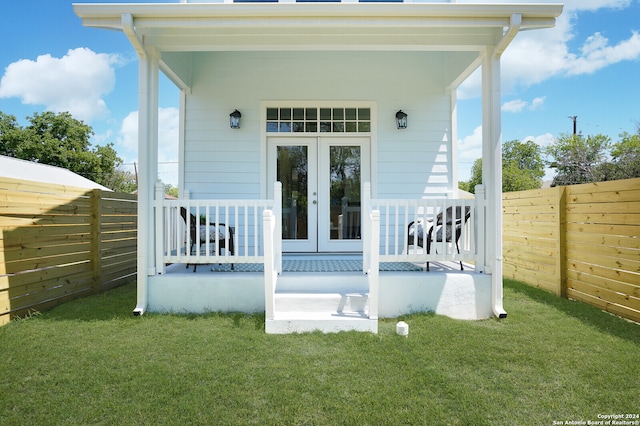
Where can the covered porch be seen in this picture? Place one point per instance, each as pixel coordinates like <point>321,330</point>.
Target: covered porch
<point>315,82</point>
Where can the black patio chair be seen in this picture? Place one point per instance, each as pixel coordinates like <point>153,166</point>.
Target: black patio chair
<point>197,245</point>
<point>417,229</point>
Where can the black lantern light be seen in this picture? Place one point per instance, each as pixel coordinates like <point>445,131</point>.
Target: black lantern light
<point>234,119</point>
<point>401,119</point>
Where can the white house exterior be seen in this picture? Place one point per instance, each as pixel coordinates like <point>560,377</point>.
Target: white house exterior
<point>318,86</point>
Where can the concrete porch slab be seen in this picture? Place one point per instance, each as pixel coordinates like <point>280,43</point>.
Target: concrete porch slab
<point>446,291</point>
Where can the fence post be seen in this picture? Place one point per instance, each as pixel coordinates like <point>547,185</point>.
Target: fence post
<point>96,239</point>
<point>561,242</point>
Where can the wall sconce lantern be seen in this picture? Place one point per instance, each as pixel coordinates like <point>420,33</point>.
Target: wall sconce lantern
<point>234,119</point>
<point>401,119</point>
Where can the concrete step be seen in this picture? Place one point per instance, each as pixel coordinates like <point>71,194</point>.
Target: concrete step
<point>329,312</point>
<point>346,303</point>
<point>327,301</point>
<point>302,322</point>
<point>323,282</point>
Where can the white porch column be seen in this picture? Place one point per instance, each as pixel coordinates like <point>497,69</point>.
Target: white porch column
<point>492,174</point>
<point>148,70</point>
<point>181,130</point>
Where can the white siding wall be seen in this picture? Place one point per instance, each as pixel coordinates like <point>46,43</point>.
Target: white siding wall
<point>225,163</point>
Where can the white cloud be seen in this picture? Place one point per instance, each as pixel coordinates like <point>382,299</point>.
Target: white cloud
<point>102,138</point>
<point>168,127</point>
<point>517,105</point>
<point>168,119</point>
<point>129,132</point>
<point>75,83</point>
<point>469,150</point>
<point>569,5</point>
<point>536,56</point>
<point>537,103</point>
<point>593,5</point>
<point>598,54</point>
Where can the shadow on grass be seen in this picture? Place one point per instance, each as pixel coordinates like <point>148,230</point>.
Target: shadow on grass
<point>589,315</point>
<point>117,303</point>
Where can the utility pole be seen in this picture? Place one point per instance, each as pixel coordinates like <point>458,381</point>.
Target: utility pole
<point>574,118</point>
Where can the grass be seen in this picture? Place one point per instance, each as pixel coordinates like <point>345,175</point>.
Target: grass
<point>92,362</point>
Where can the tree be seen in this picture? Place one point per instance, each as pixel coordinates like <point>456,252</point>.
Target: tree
<point>60,140</point>
<point>625,158</point>
<point>122,181</point>
<point>169,189</point>
<point>522,168</point>
<point>475,179</point>
<point>10,135</point>
<point>578,159</point>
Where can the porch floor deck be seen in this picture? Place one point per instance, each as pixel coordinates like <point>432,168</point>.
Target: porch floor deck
<point>322,263</point>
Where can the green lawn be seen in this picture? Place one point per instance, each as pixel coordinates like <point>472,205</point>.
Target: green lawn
<point>92,362</point>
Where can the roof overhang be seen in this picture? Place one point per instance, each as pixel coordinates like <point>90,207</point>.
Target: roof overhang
<point>250,26</point>
<point>435,27</point>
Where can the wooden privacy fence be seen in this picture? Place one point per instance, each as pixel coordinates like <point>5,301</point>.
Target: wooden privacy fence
<point>59,243</point>
<point>580,242</point>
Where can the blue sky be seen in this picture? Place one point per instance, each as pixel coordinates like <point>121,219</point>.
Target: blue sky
<point>587,66</point>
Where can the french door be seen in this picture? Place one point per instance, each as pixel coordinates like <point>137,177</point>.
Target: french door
<point>322,179</point>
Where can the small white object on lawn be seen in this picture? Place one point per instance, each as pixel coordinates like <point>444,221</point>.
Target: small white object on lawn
<point>402,329</point>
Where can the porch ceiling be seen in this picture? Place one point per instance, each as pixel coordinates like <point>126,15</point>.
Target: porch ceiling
<point>312,36</point>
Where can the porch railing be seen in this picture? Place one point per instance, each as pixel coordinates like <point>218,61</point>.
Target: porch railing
<point>212,231</point>
<point>424,230</point>
<point>370,255</point>
<point>391,233</point>
<point>272,227</point>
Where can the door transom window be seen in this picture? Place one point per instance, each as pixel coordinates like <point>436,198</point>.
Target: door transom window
<point>318,120</point>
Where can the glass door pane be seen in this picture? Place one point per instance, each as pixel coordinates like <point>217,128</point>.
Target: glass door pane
<point>344,192</point>
<point>343,167</point>
<point>293,171</point>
